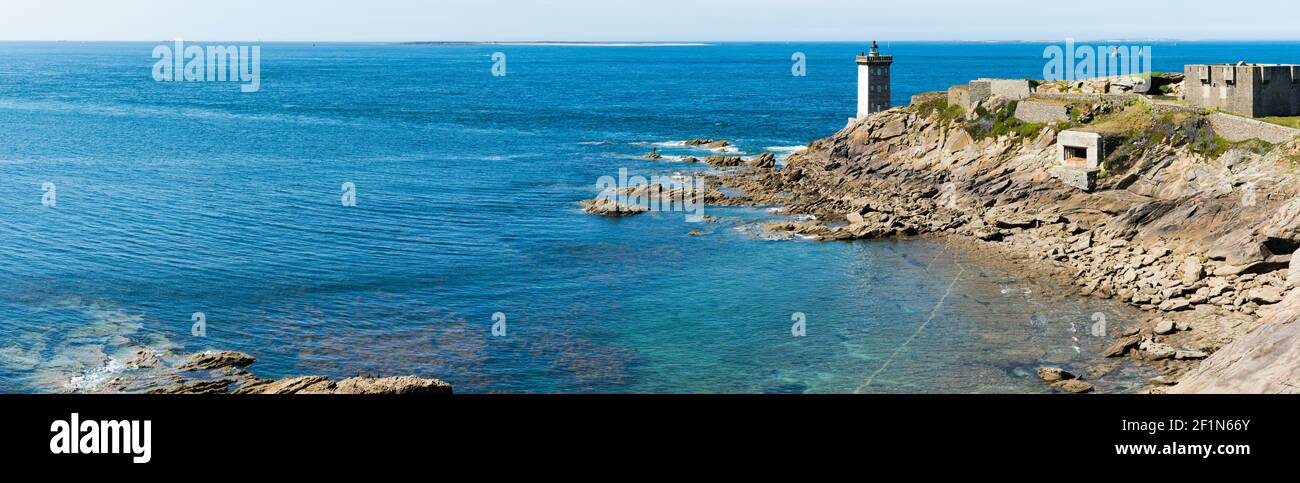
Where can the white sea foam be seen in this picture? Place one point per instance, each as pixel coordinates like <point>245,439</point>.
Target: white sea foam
<point>783,152</point>
<point>92,380</point>
<point>670,144</point>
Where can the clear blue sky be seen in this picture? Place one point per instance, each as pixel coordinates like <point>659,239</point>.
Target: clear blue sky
<point>644,20</point>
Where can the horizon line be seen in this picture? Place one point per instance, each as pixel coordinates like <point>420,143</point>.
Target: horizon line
<point>597,42</point>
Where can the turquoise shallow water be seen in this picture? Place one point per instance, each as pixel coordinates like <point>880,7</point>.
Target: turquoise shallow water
<point>181,198</point>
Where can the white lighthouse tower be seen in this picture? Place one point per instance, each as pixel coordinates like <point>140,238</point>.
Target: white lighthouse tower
<point>873,81</point>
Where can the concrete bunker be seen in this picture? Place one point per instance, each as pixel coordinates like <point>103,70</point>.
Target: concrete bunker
<point>1078,157</point>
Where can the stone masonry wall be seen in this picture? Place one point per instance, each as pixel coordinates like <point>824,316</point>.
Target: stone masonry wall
<point>1042,112</point>
<point>1237,129</point>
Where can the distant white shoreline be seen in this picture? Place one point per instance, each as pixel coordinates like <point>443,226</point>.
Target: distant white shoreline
<point>581,44</point>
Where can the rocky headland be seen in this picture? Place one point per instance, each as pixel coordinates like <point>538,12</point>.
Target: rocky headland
<point>1196,231</point>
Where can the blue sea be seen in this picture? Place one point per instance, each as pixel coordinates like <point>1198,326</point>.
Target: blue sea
<point>128,206</point>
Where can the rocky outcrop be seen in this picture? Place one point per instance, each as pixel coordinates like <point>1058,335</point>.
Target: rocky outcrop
<point>610,207</point>
<point>224,373</point>
<point>763,161</point>
<point>720,161</point>
<point>1064,381</point>
<point>708,143</point>
<point>1264,361</point>
<point>216,360</point>
<point>638,199</point>
<point>352,385</point>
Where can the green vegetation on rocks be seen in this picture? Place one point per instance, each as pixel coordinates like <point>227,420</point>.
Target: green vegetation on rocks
<point>1001,121</point>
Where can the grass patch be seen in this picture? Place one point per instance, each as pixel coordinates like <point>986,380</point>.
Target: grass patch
<point>1135,131</point>
<point>1001,122</point>
<point>947,113</point>
<point>1292,121</point>
<point>1136,118</point>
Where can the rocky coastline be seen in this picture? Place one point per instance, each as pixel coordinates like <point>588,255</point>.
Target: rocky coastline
<point>226,372</point>
<point>1195,231</point>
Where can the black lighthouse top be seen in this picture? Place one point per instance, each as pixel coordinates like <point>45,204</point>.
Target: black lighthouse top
<point>874,57</point>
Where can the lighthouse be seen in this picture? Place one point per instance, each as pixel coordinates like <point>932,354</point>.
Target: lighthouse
<point>873,81</point>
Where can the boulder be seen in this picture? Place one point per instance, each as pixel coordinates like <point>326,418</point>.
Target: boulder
<point>763,161</point>
<point>1121,346</point>
<point>1073,386</point>
<point>1175,305</point>
<point>1165,326</point>
<point>216,360</point>
<point>1155,350</point>
<point>724,161</point>
<point>1183,355</point>
<point>1284,224</point>
<point>1239,250</point>
<point>1193,270</point>
<point>1054,374</point>
<point>1265,295</point>
<point>891,130</point>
